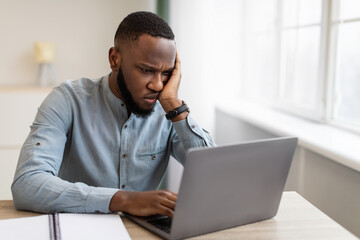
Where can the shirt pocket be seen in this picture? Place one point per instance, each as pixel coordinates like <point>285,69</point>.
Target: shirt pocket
<point>154,155</point>
<point>152,159</point>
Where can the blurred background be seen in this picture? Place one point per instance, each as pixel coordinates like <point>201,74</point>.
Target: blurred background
<point>251,69</point>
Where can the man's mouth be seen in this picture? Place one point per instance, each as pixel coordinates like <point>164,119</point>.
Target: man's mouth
<point>151,98</point>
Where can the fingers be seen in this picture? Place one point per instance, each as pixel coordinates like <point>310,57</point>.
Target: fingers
<point>177,61</point>
<point>150,203</point>
<point>172,196</point>
<point>166,211</point>
<point>169,94</point>
<point>167,198</point>
<point>177,67</point>
<point>167,203</point>
<point>169,193</point>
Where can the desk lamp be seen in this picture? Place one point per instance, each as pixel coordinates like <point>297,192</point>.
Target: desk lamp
<point>44,53</point>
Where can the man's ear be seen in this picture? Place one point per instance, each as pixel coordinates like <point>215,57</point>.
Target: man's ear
<point>114,59</point>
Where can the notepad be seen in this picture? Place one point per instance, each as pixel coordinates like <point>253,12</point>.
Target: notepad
<point>64,226</point>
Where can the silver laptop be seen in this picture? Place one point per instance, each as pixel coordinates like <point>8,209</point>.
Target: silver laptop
<point>226,186</point>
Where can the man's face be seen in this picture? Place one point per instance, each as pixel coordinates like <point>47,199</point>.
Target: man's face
<point>145,68</point>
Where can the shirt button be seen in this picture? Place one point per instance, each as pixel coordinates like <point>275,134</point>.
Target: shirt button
<point>122,104</point>
<point>192,126</point>
<point>153,157</point>
<point>125,126</point>
<point>123,186</point>
<point>124,155</point>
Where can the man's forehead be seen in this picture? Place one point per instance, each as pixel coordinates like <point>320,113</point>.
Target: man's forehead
<point>157,43</point>
<point>141,40</point>
<point>155,50</point>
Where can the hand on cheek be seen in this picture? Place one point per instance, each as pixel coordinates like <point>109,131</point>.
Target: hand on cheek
<point>169,95</point>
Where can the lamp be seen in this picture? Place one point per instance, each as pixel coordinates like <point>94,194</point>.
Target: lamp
<point>44,53</point>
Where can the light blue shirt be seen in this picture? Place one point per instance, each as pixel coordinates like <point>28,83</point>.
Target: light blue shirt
<point>83,148</point>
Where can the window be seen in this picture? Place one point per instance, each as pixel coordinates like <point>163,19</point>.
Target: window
<point>300,32</point>
<point>303,57</point>
<point>260,49</point>
<point>345,38</point>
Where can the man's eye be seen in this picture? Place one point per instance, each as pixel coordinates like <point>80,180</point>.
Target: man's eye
<point>145,70</point>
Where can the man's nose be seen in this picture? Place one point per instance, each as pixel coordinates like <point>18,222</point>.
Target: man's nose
<point>156,84</point>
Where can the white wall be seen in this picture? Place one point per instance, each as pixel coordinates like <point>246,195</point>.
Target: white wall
<point>18,108</point>
<point>208,37</point>
<point>83,31</point>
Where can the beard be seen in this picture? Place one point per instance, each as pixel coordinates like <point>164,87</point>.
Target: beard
<point>132,106</point>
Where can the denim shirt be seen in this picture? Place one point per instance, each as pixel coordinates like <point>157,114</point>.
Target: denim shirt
<point>83,148</point>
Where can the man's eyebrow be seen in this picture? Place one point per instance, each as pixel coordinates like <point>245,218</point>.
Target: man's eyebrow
<point>144,65</point>
<point>170,69</point>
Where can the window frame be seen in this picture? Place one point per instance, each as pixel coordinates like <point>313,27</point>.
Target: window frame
<point>318,114</point>
<point>324,107</point>
<point>333,35</point>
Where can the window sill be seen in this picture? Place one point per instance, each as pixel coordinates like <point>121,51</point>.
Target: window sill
<point>336,144</point>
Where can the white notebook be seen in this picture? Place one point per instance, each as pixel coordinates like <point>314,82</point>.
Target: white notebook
<point>64,226</point>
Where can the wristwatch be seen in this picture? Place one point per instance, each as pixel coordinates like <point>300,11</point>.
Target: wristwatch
<point>173,113</point>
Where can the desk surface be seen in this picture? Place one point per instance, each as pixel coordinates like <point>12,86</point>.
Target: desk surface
<point>296,219</point>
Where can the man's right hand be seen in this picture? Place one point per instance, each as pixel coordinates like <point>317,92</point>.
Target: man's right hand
<point>144,203</point>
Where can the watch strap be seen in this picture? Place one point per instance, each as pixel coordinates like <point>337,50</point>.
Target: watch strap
<point>177,111</point>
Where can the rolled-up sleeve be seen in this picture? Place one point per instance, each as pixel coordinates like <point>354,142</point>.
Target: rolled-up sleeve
<point>189,135</point>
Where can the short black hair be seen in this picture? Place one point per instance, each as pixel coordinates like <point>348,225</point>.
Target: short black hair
<point>138,23</point>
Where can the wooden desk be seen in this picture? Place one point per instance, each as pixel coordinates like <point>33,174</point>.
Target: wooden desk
<point>296,219</point>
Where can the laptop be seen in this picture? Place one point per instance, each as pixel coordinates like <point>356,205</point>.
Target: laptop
<point>226,186</point>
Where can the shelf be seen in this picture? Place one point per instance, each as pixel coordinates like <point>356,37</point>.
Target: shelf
<point>11,89</point>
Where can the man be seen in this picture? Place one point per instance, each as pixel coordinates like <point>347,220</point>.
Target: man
<point>103,145</point>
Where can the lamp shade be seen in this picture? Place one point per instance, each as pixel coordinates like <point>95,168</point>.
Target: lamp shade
<point>44,52</point>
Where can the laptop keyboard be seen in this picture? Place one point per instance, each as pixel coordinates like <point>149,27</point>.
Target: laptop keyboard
<point>163,224</point>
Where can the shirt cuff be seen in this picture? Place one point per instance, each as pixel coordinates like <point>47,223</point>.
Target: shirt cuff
<point>99,199</point>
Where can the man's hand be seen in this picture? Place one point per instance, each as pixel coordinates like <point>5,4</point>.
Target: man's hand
<point>144,203</point>
<point>169,95</point>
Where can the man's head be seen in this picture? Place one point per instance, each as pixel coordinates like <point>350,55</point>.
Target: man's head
<point>142,59</point>
<point>139,23</point>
